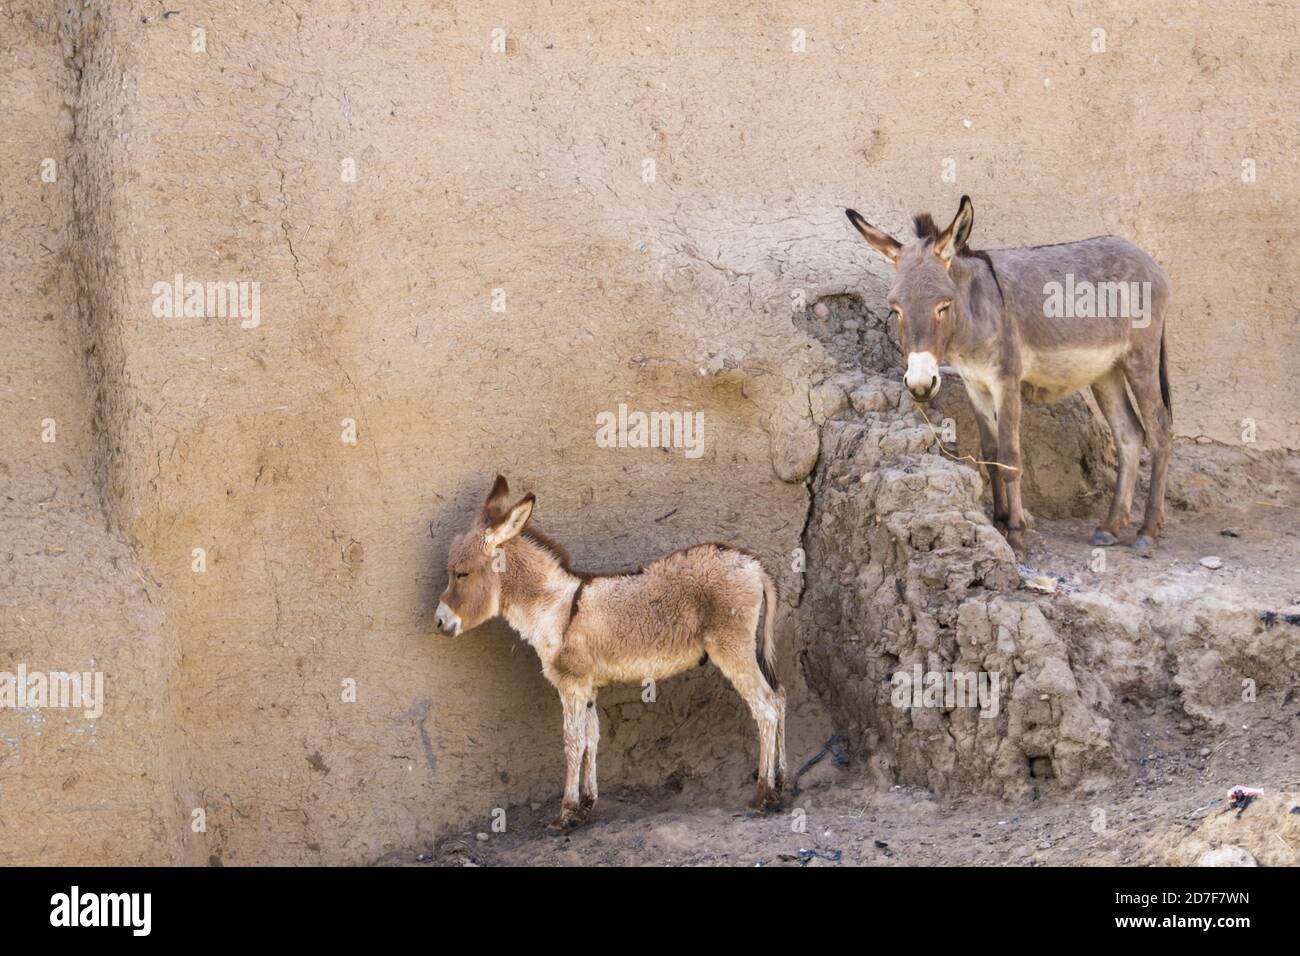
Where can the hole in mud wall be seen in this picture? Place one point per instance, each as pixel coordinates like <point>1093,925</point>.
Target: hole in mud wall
<point>853,335</point>
<point>1069,458</point>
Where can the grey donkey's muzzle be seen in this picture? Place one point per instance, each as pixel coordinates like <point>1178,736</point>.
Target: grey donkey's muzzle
<point>922,376</point>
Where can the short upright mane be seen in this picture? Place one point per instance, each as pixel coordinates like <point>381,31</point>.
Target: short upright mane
<point>925,228</point>
<point>547,543</point>
<point>924,225</point>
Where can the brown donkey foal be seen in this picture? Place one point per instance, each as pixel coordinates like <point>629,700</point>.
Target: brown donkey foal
<point>1048,321</point>
<point>698,604</point>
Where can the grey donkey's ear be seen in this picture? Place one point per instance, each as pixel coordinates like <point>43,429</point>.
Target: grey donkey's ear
<point>953,239</point>
<point>510,524</point>
<point>882,242</point>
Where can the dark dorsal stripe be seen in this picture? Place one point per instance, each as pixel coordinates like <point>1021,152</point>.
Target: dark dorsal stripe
<point>573,608</point>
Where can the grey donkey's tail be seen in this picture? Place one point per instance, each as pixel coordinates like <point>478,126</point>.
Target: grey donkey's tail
<point>766,649</point>
<point>1164,375</point>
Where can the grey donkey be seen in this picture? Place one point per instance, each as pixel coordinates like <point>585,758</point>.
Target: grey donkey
<point>1045,321</point>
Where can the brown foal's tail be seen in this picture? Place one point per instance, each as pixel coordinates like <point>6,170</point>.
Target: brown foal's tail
<point>1164,376</point>
<point>766,649</point>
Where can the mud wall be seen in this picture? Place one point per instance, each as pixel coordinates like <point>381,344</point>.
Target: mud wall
<point>473,230</point>
<point>913,587</point>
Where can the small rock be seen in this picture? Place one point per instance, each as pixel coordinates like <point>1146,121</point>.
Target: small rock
<point>1204,751</point>
<point>1211,562</point>
<point>481,837</point>
<point>1227,855</point>
<point>1230,533</point>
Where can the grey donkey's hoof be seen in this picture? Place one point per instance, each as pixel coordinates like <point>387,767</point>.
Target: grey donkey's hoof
<point>1104,539</point>
<point>1144,545</point>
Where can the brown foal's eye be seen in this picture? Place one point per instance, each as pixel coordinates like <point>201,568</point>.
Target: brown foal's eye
<point>461,575</point>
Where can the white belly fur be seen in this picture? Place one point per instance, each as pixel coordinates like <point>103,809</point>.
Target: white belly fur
<point>1051,375</point>
<point>1069,370</point>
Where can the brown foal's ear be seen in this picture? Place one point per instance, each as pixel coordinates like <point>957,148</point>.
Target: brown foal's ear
<point>500,532</point>
<point>953,239</point>
<point>882,242</point>
<point>496,499</point>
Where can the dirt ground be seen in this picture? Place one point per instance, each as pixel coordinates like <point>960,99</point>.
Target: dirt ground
<point>1257,545</point>
<point>1184,778</point>
<point>1182,769</point>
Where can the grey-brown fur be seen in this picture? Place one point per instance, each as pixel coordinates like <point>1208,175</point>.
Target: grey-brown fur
<point>986,314</point>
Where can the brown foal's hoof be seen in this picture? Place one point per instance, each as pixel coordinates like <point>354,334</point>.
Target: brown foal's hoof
<point>569,818</point>
<point>766,799</point>
<point>1144,545</point>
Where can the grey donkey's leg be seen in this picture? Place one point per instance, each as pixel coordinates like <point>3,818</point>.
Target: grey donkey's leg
<point>1144,380</point>
<point>1126,430</point>
<point>982,403</point>
<point>1008,413</point>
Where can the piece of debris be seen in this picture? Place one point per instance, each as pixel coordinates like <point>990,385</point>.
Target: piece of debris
<point>1212,562</point>
<point>807,855</point>
<point>1272,617</point>
<point>836,746</point>
<point>1042,582</point>
<point>1230,533</point>
<point>1240,797</point>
